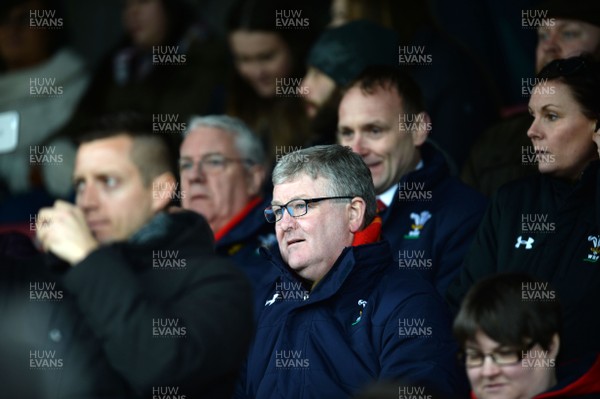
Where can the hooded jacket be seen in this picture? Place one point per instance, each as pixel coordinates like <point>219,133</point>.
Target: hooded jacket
<point>158,313</point>
<point>362,322</point>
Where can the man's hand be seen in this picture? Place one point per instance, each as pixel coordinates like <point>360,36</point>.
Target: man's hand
<point>63,231</point>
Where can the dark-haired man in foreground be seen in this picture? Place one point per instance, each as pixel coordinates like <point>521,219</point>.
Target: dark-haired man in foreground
<point>139,305</point>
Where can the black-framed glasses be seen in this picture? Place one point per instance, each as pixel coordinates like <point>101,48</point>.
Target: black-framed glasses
<point>210,163</point>
<point>295,207</point>
<point>502,357</point>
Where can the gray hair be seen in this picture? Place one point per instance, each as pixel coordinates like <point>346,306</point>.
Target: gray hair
<point>345,171</point>
<point>246,142</point>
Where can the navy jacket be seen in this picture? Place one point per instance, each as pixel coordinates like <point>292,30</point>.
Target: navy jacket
<point>448,214</point>
<point>242,242</point>
<point>364,321</point>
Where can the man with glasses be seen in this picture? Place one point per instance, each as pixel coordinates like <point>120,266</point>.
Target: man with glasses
<point>339,314</point>
<point>223,167</point>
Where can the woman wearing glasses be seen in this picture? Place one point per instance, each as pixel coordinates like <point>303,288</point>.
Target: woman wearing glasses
<point>548,225</point>
<point>509,345</point>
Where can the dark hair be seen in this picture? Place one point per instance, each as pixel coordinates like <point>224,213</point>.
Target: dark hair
<point>152,153</point>
<point>387,77</point>
<point>582,75</point>
<point>502,308</point>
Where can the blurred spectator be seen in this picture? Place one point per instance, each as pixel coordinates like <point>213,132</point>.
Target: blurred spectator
<point>429,217</point>
<point>510,343</point>
<point>41,80</point>
<point>332,315</point>
<point>338,57</point>
<point>223,168</point>
<point>547,224</point>
<point>269,63</point>
<point>500,154</point>
<point>130,298</point>
<point>458,92</point>
<point>169,66</point>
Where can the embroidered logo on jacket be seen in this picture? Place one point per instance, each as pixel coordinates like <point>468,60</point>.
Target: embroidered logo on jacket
<point>272,300</point>
<point>362,304</point>
<point>593,256</point>
<point>417,226</point>
<point>528,243</point>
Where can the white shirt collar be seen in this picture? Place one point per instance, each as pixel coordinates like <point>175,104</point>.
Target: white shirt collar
<point>388,195</point>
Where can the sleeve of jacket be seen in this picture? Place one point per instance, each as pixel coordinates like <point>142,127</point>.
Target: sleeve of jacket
<point>214,305</point>
<point>419,350</point>
<point>481,258</point>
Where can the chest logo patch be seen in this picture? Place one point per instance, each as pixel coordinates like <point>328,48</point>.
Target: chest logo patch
<point>594,254</point>
<point>528,243</point>
<point>419,221</point>
<point>361,303</point>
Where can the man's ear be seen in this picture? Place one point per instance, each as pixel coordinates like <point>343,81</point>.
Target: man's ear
<point>255,177</point>
<point>554,346</point>
<point>421,128</point>
<point>356,213</point>
<point>163,190</point>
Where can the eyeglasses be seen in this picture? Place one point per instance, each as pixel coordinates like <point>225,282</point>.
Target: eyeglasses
<point>210,163</point>
<point>506,357</point>
<point>296,208</point>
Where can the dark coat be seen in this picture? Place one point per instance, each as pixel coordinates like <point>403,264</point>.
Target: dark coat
<point>358,325</point>
<point>160,310</point>
<point>550,229</point>
<point>438,249</point>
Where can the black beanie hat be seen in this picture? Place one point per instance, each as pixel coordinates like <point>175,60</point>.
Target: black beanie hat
<point>342,53</point>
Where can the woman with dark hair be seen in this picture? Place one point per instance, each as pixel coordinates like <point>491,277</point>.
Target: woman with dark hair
<point>548,225</point>
<point>267,49</point>
<point>508,329</point>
